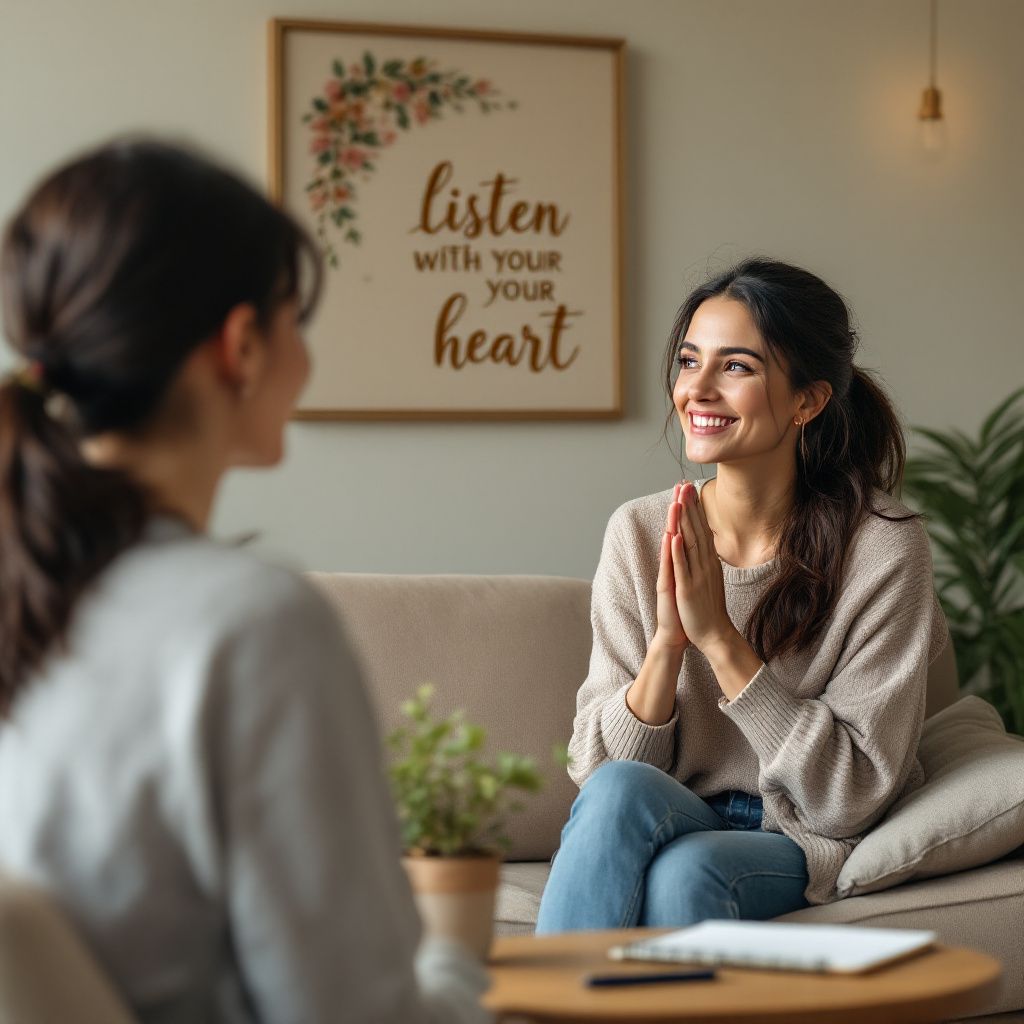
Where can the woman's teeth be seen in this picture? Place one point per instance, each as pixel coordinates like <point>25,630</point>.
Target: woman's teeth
<point>711,421</point>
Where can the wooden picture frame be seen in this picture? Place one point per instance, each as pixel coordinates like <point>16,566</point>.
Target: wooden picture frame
<point>465,188</point>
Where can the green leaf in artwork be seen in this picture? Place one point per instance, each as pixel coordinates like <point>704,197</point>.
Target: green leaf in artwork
<point>338,216</point>
<point>371,138</point>
<point>401,117</point>
<point>369,63</point>
<point>320,104</point>
<point>339,68</point>
<point>392,68</point>
<point>353,236</point>
<point>324,158</point>
<point>435,98</point>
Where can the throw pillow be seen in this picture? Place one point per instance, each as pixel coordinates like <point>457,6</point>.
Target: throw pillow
<point>970,810</point>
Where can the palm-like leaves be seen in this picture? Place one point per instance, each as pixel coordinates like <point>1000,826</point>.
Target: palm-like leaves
<point>972,491</point>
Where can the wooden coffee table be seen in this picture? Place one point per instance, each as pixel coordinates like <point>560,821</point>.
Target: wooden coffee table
<point>540,979</point>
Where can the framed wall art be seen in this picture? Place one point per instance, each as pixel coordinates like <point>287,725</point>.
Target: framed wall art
<point>465,190</point>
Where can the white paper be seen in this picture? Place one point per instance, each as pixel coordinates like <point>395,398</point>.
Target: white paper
<point>774,945</point>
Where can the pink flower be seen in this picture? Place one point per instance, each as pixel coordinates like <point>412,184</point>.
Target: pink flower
<point>353,157</point>
<point>319,124</point>
<point>333,89</point>
<point>320,144</point>
<point>342,192</point>
<point>401,92</point>
<point>317,200</point>
<point>387,138</point>
<point>482,87</point>
<point>422,112</point>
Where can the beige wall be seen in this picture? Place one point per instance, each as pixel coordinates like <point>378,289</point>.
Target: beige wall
<point>779,126</point>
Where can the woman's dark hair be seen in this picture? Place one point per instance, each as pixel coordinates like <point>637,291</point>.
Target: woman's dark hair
<point>116,267</point>
<point>854,446</point>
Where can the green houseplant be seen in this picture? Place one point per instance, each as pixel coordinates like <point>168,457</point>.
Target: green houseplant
<point>452,805</point>
<point>972,492</point>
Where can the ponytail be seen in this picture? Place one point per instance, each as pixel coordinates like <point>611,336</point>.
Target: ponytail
<point>854,447</point>
<point>61,522</point>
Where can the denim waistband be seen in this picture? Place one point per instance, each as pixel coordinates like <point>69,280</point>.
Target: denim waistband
<point>739,810</point>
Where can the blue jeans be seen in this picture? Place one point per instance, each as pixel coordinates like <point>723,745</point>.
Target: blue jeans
<point>642,850</point>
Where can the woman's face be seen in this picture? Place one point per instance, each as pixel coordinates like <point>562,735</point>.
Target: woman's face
<point>734,400</point>
<point>283,374</point>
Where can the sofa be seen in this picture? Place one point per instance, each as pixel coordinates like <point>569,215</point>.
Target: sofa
<point>512,651</point>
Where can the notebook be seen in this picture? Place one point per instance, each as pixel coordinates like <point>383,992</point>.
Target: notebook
<point>841,949</point>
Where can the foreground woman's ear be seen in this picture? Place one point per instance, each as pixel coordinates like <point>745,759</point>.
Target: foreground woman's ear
<point>240,350</point>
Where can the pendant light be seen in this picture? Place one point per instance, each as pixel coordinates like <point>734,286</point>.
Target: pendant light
<point>930,113</point>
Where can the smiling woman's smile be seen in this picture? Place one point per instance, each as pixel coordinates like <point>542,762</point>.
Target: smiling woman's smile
<point>707,425</point>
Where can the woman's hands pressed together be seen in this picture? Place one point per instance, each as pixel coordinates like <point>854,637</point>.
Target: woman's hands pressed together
<point>670,632</point>
<point>691,609</point>
<point>690,574</point>
<point>691,594</point>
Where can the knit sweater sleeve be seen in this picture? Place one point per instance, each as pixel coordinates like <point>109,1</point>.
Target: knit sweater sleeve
<point>320,913</point>
<point>605,729</point>
<point>842,756</point>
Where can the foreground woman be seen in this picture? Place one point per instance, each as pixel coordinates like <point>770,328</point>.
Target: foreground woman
<point>187,762</point>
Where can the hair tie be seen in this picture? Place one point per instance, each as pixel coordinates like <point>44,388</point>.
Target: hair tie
<point>31,377</point>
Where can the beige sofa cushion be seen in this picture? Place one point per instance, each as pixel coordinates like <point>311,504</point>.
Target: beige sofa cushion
<point>970,810</point>
<point>511,650</point>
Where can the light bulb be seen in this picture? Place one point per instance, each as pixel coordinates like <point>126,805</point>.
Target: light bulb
<point>933,124</point>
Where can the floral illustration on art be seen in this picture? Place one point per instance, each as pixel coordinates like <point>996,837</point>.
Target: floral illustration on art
<point>359,113</point>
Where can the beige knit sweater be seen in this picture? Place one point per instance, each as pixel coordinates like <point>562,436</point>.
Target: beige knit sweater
<point>828,738</point>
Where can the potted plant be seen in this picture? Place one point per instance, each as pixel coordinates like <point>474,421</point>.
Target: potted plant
<point>451,807</point>
<point>972,492</point>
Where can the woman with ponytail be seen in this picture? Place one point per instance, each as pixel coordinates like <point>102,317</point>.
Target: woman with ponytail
<point>188,762</point>
<point>761,638</point>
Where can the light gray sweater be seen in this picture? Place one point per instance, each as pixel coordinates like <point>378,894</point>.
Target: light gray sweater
<point>828,738</point>
<point>197,780</point>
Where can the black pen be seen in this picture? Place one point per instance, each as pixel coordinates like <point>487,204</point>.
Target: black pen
<point>604,980</point>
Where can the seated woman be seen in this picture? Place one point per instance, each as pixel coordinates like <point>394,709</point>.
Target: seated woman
<point>188,761</point>
<point>761,641</point>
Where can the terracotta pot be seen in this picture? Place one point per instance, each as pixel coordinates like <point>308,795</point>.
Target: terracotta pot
<point>455,897</point>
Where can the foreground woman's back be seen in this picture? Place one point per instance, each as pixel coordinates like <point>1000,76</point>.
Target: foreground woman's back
<point>197,781</point>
